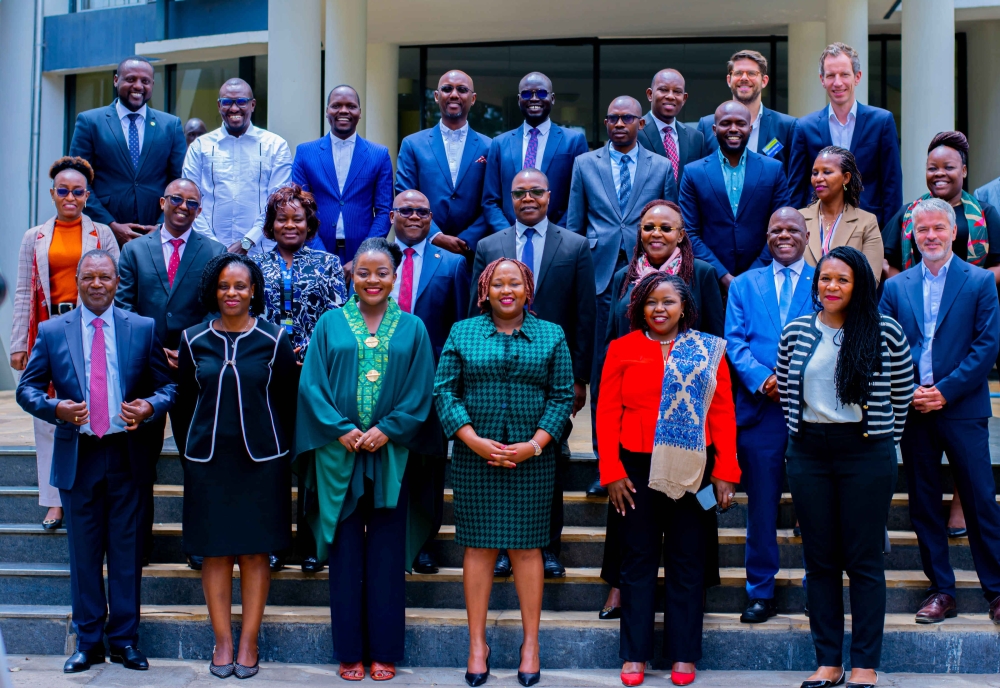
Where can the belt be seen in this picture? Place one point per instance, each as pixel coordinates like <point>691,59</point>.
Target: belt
<point>61,308</point>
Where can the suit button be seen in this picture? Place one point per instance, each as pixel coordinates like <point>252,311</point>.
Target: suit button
<point>137,184</point>
<point>341,203</point>
<point>454,196</point>
<point>865,407</point>
<point>865,434</point>
<point>503,406</point>
<point>170,315</point>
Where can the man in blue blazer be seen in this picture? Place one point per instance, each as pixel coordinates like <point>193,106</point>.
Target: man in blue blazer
<point>761,302</point>
<point>112,385</point>
<point>350,177</point>
<point>949,312</point>
<point>538,144</point>
<point>728,197</point>
<point>135,152</point>
<point>447,163</point>
<point>868,132</point>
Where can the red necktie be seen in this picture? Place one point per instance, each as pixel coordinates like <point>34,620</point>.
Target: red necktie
<point>175,259</point>
<point>671,148</point>
<point>406,288</point>
<point>98,407</point>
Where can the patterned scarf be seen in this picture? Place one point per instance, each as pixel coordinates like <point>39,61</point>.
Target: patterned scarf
<point>671,266</point>
<point>679,449</point>
<point>979,244</point>
<point>373,355</point>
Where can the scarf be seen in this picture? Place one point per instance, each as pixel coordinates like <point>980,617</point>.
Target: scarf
<point>373,355</point>
<point>679,449</point>
<point>671,266</point>
<point>979,244</point>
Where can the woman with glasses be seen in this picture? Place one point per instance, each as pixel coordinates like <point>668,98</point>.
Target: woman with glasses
<point>46,287</point>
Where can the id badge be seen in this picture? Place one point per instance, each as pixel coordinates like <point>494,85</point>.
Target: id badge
<point>706,497</point>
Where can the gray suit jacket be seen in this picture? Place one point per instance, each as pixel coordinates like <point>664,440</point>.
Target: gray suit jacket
<point>989,193</point>
<point>593,205</point>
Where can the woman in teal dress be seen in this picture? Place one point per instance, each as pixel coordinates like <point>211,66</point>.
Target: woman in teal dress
<point>366,389</point>
<point>503,390</point>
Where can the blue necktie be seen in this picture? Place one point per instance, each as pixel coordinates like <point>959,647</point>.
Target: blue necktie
<point>528,252</point>
<point>785,297</point>
<point>133,139</point>
<point>625,185</point>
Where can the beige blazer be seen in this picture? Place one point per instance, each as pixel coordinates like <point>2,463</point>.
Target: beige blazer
<point>857,229</point>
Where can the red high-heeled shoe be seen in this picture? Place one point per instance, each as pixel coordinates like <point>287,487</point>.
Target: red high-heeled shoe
<point>681,679</point>
<point>634,679</point>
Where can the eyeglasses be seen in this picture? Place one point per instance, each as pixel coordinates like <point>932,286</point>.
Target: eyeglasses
<point>749,73</point>
<point>627,120</point>
<point>448,88</point>
<point>63,192</point>
<point>537,192</point>
<point>649,229</point>
<point>408,212</point>
<point>228,102</point>
<point>539,93</point>
<point>191,204</point>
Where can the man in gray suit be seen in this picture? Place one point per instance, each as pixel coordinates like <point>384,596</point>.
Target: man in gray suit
<point>609,188</point>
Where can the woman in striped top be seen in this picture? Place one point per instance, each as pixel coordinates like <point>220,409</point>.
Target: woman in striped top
<point>846,379</point>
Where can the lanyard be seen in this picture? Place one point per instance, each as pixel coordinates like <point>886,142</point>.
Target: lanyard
<point>287,282</point>
<point>825,240</point>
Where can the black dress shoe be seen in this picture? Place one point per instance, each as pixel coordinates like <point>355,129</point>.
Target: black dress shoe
<point>551,565</point>
<point>851,684</point>
<point>610,613</point>
<point>797,531</point>
<point>597,490</point>
<point>957,532</point>
<point>81,660</point>
<point>195,562</point>
<point>424,563</point>
<point>130,658</point>
<point>502,568</point>
<point>759,611</point>
<point>475,680</point>
<point>824,683</point>
<point>312,565</point>
<point>277,563</point>
<point>527,679</point>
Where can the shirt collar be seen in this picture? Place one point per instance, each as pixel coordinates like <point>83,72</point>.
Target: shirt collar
<point>460,132</point>
<point>725,160</point>
<point>617,155</point>
<point>853,114</point>
<point>661,125</point>
<point>942,273</point>
<point>418,247</point>
<point>352,139</point>
<point>543,128</point>
<point>89,316</point>
<point>541,228</point>
<point>250,133</point>
<point>795,267</point>
<point>166,236</point>
<point>124,112</point>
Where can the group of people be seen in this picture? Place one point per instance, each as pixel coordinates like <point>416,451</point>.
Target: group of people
<point>745,298</point>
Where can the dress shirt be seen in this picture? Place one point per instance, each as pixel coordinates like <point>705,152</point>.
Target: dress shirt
<point>842,134</point>
<point>111,348</point>
<point>616,167</point>
<point>779,278</point>
<point>140,121</point>
<point>754,139</point>
<point>663,128</point>
<point>933,288</point>
<point>343,153</point>
<point>543,136</point>
<point>734,177</point>
<point>454,147</point>
<point>537,243</point>
<point>168,249</point>
<point>236,175</point>
<point>418,263</point>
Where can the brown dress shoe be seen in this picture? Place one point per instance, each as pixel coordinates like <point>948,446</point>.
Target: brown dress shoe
<point>995,610</point>
<point>937,608</point>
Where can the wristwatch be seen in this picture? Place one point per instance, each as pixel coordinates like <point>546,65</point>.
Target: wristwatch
<point>538,447</point>
<point>246,243</point>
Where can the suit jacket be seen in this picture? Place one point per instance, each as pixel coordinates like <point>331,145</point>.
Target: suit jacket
<point>145,289</point>
<point>564,287</point>
<point>442,294</point>
<point>120,192</point>
<point>458,208</point>
<point>504,161</point>
<point>594,211</point>
<point>365,202</point>
<point>690,142</point>
<point>731,244</point>
<point>875,146</point>
<point>773,125</point>
<point>58,358</point>
<point>857,229</point>
<point>753,331</point>
<point>989,193</point>
<point>966,338</point>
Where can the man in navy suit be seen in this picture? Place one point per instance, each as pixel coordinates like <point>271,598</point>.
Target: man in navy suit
<point>728,197</point>
<point>949,312</point>
<point>761,302</point>
<point>112,385</point>
<point>868,132</point>
<point>537,144</point>
<point>350,178</point>
<point>662,133</point>
<point>135,152</point>
<point>447,163</point>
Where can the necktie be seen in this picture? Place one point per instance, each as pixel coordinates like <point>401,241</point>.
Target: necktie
<point>98,406</point>
<point>133,140</point>
<point>528,252</point>
<point>175,259</point>
<point>532,152</point>
<point>785,298</point>
<point>625,185</point>
<point>671,148</point>
<point>406,288</point>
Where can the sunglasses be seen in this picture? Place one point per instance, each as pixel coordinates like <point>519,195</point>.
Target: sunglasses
<point>408,212</point>
<point>189,202</point>
<point>518,194</point>
<point>649,229</point>
<point>228,102</point>
<point>448,88</point>
<point>627,120</point>
<point>539,93</point>
<point>63,192</point>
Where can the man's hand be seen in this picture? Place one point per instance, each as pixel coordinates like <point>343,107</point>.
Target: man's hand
<point>350,440</point>
<point>579,397</point>
<point>771,388</point>
<point>926,399</point>
<point>348,269</point>
<point>74,412</point>
<point>450,243</point>
<point>171,357</point>
<point>237,247</point>
<point>726,280</point>
<point>18,360</point>
<point>135,412</point>
<point>148,228</point>
<point>126,231</point>
<point>619,492</point>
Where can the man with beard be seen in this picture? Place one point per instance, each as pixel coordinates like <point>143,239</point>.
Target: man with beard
<point>663,134</point>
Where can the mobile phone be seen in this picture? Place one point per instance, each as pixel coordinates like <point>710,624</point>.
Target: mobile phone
<point>706,497</point>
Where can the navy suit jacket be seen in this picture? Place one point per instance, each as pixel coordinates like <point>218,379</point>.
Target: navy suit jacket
<point>58,358</point>
<point>120,192</point>
<point>458,208</point>
<point>504,161</point>
<point>773,125</point>
<point>442,294</point>
<point>731,244</point>
<point>966,337</point>
<point>875,146</point>
<point>367,197</point>
<point>690,142</point>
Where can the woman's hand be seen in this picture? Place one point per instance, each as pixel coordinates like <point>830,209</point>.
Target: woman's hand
<point>513,454</point>
<point>724,493</point>
<point>350,440</point>
<point>18,360</point>
<point>296,351</point>
<point>619,492</point>
<point>371,441</point>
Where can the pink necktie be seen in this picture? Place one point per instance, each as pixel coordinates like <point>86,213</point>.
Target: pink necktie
<point>98,407</point>
<point>175,259</point>
<point>532,152</point>
<point>406,288</point>
<point>671,148</point>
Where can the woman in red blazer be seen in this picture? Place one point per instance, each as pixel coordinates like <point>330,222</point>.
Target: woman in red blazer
<point>666,429</point>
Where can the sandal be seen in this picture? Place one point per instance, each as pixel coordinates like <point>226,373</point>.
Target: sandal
<point>351,671</point>
<point>383,671</point>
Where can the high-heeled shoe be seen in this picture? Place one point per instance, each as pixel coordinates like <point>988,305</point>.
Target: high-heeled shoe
<point>825,683</point>
<point>680,678</point>
<point>635,678</point>
<point>221,670</point>
<point>525,678</point>
<point>475,680</point>
<point>852,684</point>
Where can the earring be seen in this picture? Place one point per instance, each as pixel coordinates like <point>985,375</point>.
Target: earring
<point>845,187</point>
<point>682,315</point>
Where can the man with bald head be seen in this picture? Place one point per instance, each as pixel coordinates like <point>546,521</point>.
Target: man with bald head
<point>237,167</point>
<point>662,132</point>
<point>194,128</point>
<point>761,302</point>
<point>447,163</point>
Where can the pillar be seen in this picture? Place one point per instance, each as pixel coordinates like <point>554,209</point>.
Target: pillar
<point>806,42</point>
<point>346,43</point>
<point>847,22</point>
<point>928,84</point>
<point>51,135</point>
<point>382,96</point>
<point>983,43</point>
<point>294,82</point>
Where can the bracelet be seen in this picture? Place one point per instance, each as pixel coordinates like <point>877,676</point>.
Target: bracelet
<point>538,447</point>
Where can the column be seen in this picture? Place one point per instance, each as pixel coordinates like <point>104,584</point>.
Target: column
<point>346,42</point>
<point>806,42</point>
<point>984,102</point>
<point>847,22</point>
<point>294,82</point>
<point>50,138</point>
<point>928,84</point>
<point>382,96</point>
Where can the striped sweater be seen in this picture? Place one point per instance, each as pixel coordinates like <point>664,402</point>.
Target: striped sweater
<point>892,389</point>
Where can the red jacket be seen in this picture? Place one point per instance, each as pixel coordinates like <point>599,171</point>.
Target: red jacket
<point>631,385</point>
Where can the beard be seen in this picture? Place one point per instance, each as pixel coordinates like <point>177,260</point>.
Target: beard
<point>754,94</point>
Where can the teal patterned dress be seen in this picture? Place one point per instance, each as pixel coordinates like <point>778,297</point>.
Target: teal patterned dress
<point>506,387</point>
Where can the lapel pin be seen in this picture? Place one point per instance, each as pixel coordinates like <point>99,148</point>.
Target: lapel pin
<point>437,255</point>
<point>152,122</point>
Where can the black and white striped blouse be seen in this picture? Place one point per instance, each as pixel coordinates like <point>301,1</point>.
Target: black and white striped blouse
<point>892,389</point>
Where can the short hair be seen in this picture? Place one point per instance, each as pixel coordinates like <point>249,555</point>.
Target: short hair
<point>72,163</point>
<point>848,164</point>
<point>132,58</point>
<point>483,286</point>
<point>952,139</point>
<point>209,286</point>
<point>646,286</point>
<point>291,194</point>
<point>357,96</point>
<point>532,170</point>
<point>837,49</point>
<point>380,245</point>
<point>97,253</point>
<point>933,205</point>
<point>747,55</point>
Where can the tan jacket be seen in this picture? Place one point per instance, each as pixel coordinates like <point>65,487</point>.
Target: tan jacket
<point>857,229</point>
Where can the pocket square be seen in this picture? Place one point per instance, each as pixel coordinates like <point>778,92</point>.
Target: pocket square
<point>482,158</point>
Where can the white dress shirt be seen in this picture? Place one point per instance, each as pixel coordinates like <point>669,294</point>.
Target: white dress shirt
<point>754,140</point>
<point>543,136</point>
<point>663,128</point>
<point>140,121</point>
<point>418,263</point>
<point>537,243</point>
<point>343,153</point>
<point>616,166</point>
<point>779,278</point>
<point>454,147</point>
<point>842,134</point>
<point>236,175</point>
<point>111,349</point>
<point>933,289</point>
<point>168,249</point>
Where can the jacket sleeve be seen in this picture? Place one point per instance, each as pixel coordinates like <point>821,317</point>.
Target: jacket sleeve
<point>901,373</point>
<point>968,376</point>
<point>492,193</point>
<point>127,296</point>
<point>164,388</point>
<point>892,171</point>
<point>416,395</point>
<point>713,311</point>
<point>586,315</point>
<point>460,287</point>
<point>33,389</point>
<point>610,410</point>
<point>82,145</point>
<point>611,332</point>
<point>691,212</point>
<point>299,174</point>
<point>576,212</point>
<point>22,293</point>
<point>750,371</point>
<point>187,394</point>
<point>178,149</point>
<point>449,382</point>
<point>721,422</point>
<point>383,197</point>
<point>785,347</point>
<point>478,265</point>
<point>407,176</point>
<point>559,394</point>
<point>798,168</point>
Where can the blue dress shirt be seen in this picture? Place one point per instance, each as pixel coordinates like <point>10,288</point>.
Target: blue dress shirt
<point>537,243</point>
<point>734,178</point>
<point>113,375</point>
<point>933,288</point>
<point>616,165</point>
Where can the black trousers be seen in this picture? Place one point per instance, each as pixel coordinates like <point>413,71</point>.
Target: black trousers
<point>431,489</point>
<point>842,487</point>
<point>556,516</point>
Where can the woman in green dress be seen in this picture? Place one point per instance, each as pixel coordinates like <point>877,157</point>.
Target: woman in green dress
<point>504,389</point>
<point>366,389</point>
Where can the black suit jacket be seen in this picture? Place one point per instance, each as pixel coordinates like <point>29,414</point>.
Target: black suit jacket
<point>145,289</point>
<point>564,289</point>
<point>690,142</point>
<point>121,193</point>
<point>773,125</point>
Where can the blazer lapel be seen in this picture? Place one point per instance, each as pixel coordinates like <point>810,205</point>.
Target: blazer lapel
<point>437,146</point>
<point>958,273</point>
<point>326,155</point>
<point>845,230</point>
<point>556,139</point>
<point>43,240</point>
<point>603,158</point>
<point>764,131</point>
<point>511,154</point>
<point>74,338</point>
<point>765,285</point>
<point>750,179</point>
<point>553,238</point>
<point>814,247</point>
<point>683,146</point>
<point>115,125</point>
<point>149,137</point>
<point>432,261</point>
<point>859,126</point>
<point>643,160</point>
<point>123,339</point>
<point>156,255</point>
<point>469,155</point>
<point>89,240</point>
<point>652,132</point>
<point>823,124</point>
<point>719,183</point>
<point>508,242</point>
<point>194,245</point>
<point>914,289</point>
<point>803,291</point>
<point>358,160</point>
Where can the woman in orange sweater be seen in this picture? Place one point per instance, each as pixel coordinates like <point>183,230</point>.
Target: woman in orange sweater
<point>666,429</point>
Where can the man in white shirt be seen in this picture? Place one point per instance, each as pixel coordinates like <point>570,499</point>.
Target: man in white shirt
<point>663,133</point>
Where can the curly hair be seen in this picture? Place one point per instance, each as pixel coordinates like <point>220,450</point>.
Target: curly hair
<point>848,165</point>
<point>646,286</point>
<point>72,163</point>
<point>952,139</point>
<point>687,253</point>
<point>281,198</point>
<point>380,245</point>
<point>483,286</point>
<point>209,286</point>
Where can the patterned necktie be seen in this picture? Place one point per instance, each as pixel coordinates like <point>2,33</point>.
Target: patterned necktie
<point>671,148</point>
<point>133,140</point>
<point>532,152</point>
<point>175,259</point>
<point>98,406</point>
<point>785,298</point>
<point>406,288</point>
<point>528,252</point>
<point>625,185</point>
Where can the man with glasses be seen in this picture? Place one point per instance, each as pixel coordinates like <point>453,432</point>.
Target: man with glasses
<point>237,167</point>
<point>663,133</point>
<point>447,163</point>
<point>539,144</point>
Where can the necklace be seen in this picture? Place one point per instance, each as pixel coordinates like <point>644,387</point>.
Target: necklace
<point>232,341</point>
<point>669,343</point>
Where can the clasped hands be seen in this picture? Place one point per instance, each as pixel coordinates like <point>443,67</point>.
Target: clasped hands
<point>926,399</point>
<point>76,412</point>
<point>495,453</point>
<point>355,440</point>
